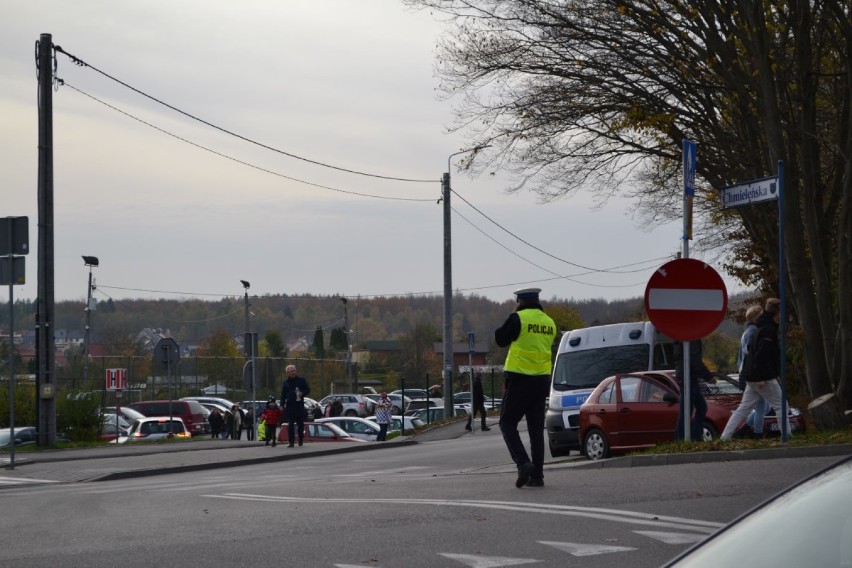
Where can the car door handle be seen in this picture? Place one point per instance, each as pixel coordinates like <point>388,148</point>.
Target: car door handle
<point>625,411</point>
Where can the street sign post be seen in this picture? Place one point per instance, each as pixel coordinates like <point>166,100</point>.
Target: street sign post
<point>686,299</point>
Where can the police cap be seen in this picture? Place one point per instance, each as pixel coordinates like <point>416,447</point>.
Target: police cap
<point>527,293</point>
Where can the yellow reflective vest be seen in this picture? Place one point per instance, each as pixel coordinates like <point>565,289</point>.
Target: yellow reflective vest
<point>530,353</point>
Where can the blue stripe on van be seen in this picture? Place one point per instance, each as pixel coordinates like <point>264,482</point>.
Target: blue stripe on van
<point>575,398</point>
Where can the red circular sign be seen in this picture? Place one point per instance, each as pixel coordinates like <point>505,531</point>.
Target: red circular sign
<point>686,299</point>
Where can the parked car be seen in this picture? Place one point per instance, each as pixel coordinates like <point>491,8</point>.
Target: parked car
<point>353,404</point>
<point>187,410</point>
<point>153,428</point>
<point>125,412</point>
<point>429,415</point>
<point>818,537</point>
<point>463,397</point>
<point>211,399</point>
<point>400,405</point>
<point>317,432</point>
<point>354,426</point>
<point>420,403</point>
<point>638,410</point>
<point>413,393</point>
<point>24,436</point>
<point>112,427</point>
<point>411,422</point>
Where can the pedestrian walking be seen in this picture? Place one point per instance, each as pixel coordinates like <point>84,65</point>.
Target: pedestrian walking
<point>529,333</point>
<point>384,415</point>
<point>760,370</point>
<point>293,393</point>
<point>753,428</point>
<point>236,422</point>
<point>477,404</point>
<point>270,417</point>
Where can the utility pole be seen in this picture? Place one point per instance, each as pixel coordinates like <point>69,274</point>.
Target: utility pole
<point>447,371</point>
<point>45,341</point>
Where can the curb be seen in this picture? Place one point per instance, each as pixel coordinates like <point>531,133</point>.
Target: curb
<point>721,456</point>
<point>128,474</point>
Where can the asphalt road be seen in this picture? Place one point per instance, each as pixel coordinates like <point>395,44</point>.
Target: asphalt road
<point>446,502</point>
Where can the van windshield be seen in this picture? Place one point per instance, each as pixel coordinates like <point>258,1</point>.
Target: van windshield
<point>586,369</point>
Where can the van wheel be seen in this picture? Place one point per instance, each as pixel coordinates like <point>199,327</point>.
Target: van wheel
<point>350,412</point>
<point>595,445</point>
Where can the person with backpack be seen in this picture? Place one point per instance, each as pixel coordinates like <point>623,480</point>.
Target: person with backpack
<point>760,369</point>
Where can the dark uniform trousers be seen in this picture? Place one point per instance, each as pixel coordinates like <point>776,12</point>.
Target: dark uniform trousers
<point>524,396</point>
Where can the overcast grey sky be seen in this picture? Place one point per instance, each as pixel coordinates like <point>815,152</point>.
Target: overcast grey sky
<point>340,82</point>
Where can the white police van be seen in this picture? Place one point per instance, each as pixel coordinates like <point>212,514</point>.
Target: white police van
<point>586,357</point>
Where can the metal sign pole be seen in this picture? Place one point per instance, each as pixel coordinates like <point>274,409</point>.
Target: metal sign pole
<point>782,276</point>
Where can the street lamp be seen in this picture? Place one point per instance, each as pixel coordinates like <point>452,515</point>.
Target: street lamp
<point>89,261</point>
<point>250,348</point>
<point>348,342</point>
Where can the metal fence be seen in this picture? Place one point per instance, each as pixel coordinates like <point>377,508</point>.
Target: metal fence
<point>193,374</point>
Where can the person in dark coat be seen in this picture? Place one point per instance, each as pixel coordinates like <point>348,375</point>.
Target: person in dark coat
<point>697,371</point>
<point>477,404</point>
<point>216,422</point>
<point>293,393</point>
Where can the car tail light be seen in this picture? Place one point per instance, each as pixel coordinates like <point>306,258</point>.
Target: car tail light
<point>362,404</point>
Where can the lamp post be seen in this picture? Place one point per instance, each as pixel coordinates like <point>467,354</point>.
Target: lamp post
<point>447,372</point>
<point>348,343</point>
<point>90,261</point>
<point>250,348</point>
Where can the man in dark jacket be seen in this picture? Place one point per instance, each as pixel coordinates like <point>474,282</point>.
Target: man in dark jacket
<point>760,370</point>
<point>529,333</point>
<point>293,393</point>
<point>697,371</point>
<point>477,404</point>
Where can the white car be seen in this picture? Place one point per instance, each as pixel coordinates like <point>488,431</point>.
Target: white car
<point>354,426</point>
<point>153,428</point>
<point>411,422</point>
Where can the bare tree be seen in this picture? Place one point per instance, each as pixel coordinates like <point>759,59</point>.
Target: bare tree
<point>591,94</point>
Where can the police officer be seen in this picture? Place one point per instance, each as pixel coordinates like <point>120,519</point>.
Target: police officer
<point>530,334</point>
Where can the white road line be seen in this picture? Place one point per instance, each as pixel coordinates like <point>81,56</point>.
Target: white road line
<point>11,481</point>
<point>614,515</point>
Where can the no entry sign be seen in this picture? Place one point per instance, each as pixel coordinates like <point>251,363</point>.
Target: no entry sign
<point>686,299</point>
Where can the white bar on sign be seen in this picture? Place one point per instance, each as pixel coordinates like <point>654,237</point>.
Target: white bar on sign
<point>680,299</point>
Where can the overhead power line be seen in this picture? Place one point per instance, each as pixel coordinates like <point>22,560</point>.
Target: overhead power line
<point>77,61</point>
<point>237,160</point>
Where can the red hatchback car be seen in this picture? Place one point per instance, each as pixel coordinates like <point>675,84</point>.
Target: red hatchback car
<point>638,410</point>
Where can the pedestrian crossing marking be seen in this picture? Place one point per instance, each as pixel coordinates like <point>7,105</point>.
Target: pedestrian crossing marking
<point>475,561</point>
<point>673,538</point>
<point>576,549</point>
